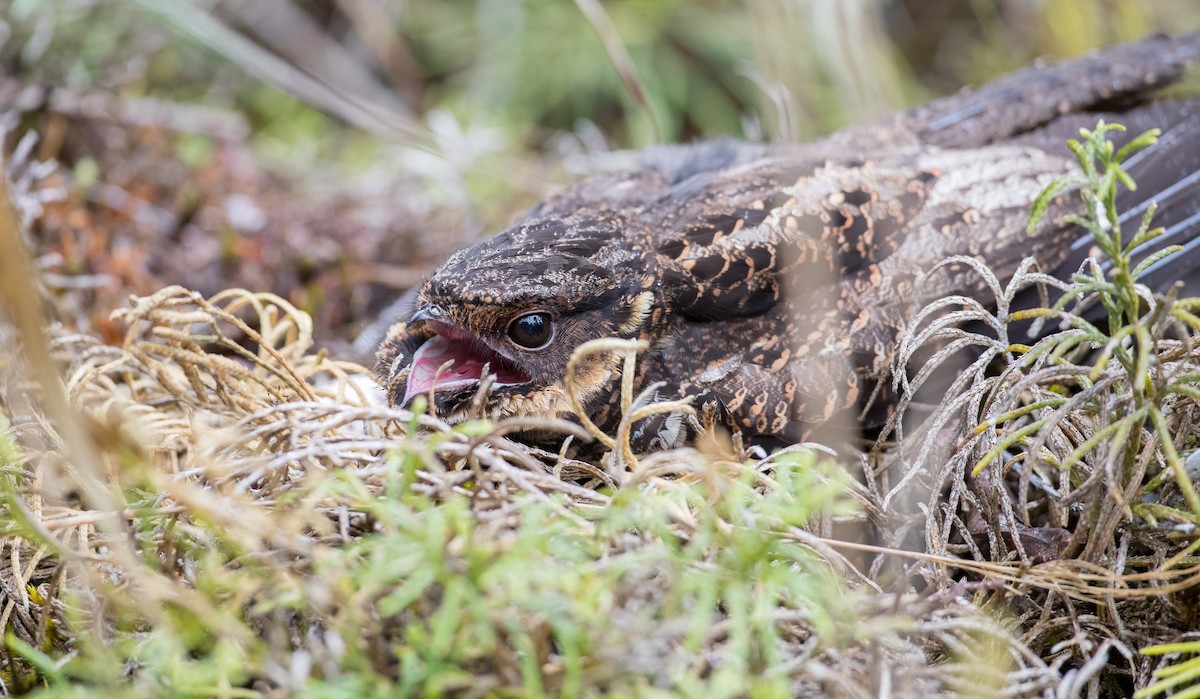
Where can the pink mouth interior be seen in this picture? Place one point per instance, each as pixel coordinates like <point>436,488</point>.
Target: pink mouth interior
<point>466,370</point>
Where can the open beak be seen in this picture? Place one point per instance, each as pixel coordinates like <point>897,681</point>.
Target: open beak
<point>466,353</point>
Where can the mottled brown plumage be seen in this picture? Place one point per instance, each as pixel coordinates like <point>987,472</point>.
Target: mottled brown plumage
<point>771,282</point>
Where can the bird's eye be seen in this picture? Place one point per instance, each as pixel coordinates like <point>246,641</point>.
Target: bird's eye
<point>532,331</point>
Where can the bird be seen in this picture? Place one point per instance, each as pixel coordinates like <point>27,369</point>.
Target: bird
<point>767,283</point>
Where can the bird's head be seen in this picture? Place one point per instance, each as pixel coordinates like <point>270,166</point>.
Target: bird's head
<point>516,307</point>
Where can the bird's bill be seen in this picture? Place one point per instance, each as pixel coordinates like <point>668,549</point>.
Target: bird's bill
<point>468,361</point>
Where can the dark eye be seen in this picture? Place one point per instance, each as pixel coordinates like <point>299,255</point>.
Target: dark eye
<point>531,331</point>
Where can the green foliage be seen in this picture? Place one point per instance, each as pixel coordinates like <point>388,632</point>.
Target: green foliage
<point>10,456</point>
<point>1183,675</point>
<point>571,596</point>
<point>1079,433</point>
<point>1132,337</point>
<point>542,63</point>
<point>544,599</point>
<point>536,67</point>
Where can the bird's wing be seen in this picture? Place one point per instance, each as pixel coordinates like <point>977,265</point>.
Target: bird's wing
<point>779,232</point>
<point>1112,80</point>
<point>795,278</point>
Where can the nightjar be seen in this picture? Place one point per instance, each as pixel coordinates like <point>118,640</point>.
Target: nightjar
<point>770,282</point>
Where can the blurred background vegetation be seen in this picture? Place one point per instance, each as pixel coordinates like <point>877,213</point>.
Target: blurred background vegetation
<point>537,68</point>
<point>383,134</point>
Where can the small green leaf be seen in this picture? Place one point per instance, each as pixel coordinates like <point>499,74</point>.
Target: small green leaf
<point>1092,442</point>
<point>1139,142</point>
<point>1007,441</point>
<point>1187,317</point>
<point>1043,200</point>
<point>1124,178</point>
<point>1155,257</point>
<point>1081,154</point>
<point>1182,480</point>
<point>1165,648</point>
<point>1184,389</point>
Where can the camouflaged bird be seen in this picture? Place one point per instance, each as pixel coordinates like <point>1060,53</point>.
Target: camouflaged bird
<point>770,283</point>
